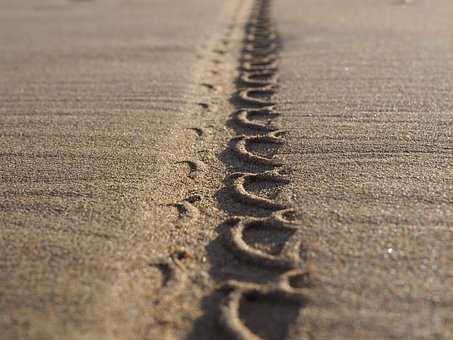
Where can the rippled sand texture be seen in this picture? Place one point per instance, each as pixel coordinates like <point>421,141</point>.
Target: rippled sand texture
<point>252,170</point>
<point>366,87</point>
<point>100,108</point>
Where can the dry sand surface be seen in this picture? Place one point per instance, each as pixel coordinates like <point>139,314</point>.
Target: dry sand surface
<point>205,169</point>
<point>366,88</point>
<point>100,101</point>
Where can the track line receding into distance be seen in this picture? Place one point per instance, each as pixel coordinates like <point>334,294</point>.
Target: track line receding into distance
<point>256,119</point>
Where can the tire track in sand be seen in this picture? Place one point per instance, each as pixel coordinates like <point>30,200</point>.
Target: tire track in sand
<point>287,278</point>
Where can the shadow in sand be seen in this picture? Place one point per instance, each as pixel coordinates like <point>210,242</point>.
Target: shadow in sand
<point>261,316</point>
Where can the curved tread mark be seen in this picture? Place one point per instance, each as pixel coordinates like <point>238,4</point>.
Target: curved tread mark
<point>242,117</point>
<point>249,96</point>
<point>261,51</point>
<point>230,318</point>
<point>251,66</point>
<point>252,79</point>
<point>289,257</point>
<point>286,216</point>
<point>261,73</point>
<point>240,148</point>
<point>268,59</point>
<point>268,63</point>
<point>237,292</point>
<point>239,180</point>
<point>254,36</point>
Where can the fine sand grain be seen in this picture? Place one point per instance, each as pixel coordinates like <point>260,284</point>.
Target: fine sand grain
<point>267,169</point>
<point>107,120</point>
<point>367,94</point>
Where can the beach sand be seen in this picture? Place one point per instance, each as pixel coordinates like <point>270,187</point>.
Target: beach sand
<point>213,170</point>
<point>367,95</point>
<point>104,107</point>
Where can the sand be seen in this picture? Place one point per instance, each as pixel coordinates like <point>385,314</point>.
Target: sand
<point>102,103</point>
<point>366,92</point>
<point>142,198</point>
